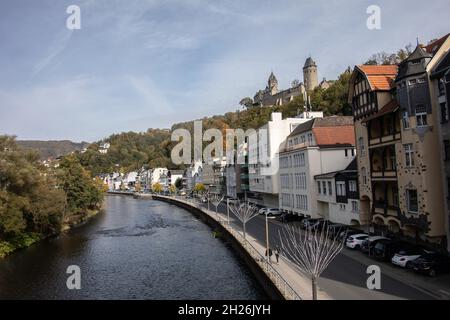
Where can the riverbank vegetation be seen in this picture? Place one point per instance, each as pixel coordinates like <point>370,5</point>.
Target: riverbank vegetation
<point>38,201</point>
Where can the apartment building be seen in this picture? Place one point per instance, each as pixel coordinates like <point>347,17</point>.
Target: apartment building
<point>318,146</point>
<point>213,175</point>
<point>399,147</point>
<point>337,195</point>
<point>263,157</point>
<point>440,99</point>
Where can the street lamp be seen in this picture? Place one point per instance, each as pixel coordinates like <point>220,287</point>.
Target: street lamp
<point>267,237</point>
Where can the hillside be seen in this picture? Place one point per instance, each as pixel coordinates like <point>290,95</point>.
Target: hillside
<point>52,149</point>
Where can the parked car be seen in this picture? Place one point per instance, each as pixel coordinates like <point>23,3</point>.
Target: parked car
<point>355,241</point>
<point>273,212</point>
<point>386,249</point>
<point>182,193</point>
<point>335,229</point>
<point>262,211</point>
<point>368,244</point>
<point>431,264</point>
<point>289,217</point>
<point>309,223</point>
<point>404,257</point>
<point>349,232</point>
<point>204,200</point>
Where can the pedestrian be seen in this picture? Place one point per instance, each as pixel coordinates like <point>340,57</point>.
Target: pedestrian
<point>270,254</point>
<point>277,254</point>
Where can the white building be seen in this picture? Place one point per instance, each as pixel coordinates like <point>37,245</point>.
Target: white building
<point>156,174</point>
<point>264,182</point>
<point>338,196</point>
<point>191,174</point>
<point>318,146</point>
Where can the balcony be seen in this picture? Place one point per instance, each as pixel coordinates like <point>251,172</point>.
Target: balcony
<point>383,163</point>
<point>298,146</point>
<point>384,129</point>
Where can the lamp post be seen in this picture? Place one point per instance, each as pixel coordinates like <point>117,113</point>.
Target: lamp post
<point>267,238</point>
<point>228,211</point>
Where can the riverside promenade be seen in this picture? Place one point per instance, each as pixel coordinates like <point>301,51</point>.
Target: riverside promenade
<point>289,280</point>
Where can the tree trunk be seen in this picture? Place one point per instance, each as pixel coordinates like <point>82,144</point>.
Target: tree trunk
<point>314,288</point>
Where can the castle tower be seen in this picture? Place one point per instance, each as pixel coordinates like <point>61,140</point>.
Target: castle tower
<point>272,84</point>
<point>310,77</point>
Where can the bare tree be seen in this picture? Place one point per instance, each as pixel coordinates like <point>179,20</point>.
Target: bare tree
<point>243,211</point>
<point>310,250</point>
<point>216,199</point>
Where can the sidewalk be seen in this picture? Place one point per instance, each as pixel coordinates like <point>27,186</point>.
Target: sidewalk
<point>290,281</point>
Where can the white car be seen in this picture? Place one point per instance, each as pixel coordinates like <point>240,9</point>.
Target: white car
<point>355,241</point>
<point>402,258</point>
<point>262,211</point>
<point>272,212</point>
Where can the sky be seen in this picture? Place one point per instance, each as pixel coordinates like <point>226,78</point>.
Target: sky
<point>139,64</point>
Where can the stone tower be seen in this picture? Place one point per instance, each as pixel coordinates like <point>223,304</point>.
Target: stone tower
<point>272,84</point>
<point>310,77</point>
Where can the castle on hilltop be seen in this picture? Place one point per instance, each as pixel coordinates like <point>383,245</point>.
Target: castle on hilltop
<point>271,96</point>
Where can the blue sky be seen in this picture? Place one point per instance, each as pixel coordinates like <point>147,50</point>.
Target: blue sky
<point>137,64</point>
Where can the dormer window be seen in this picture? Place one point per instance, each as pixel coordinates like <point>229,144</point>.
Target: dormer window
<point>422,80</point>
<point>412,81</point>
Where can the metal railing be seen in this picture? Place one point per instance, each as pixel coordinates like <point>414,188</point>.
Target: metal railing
<point>277,279</point>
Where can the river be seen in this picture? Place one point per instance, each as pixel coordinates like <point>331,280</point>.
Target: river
<point>135,249</point>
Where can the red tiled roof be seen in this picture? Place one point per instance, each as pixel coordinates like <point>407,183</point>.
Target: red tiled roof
<point>391,106</point>
<point>328,136</point>
<point>436,45</point>
<point>380,77</point>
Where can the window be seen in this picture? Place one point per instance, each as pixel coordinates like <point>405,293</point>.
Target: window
<point>324,187</point>
<point>362,148</point>
<point>421,80</point>
<point>301,159</point>
<point>444,112</point>
<point>310,138</point>
<point>421,116</point>
<point>355,206</point>
<point>447,150</point>
<point>340,189</point>
<point>330,190</point>
<point>411,196</point>
<point>405,120</point>
<point>364,176</point>
<point>342,207</point>
<point>319,189</point>
<point>441,87</point>
<point>409,155</point>
<point>346,153</point>
<point>412,81</point>
<point>352,186</point>
<point>353,152</point>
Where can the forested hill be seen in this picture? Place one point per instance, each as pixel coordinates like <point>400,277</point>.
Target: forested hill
<point>131,151</point>
<point>52,149</point>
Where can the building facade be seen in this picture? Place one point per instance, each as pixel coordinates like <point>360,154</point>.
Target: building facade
<point>337,195</point>
<point>263,157</point>
<point>399,156</point>
<point>315,147</point>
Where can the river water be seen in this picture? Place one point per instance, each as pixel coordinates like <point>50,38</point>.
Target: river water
<point>136,249</point>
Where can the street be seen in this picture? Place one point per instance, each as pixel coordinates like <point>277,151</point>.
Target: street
<point>345,278</point>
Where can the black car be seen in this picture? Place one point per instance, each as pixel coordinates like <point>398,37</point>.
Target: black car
<point>335,229</point>
<point>368,245</point>
<point>309,223</point>
<point>385,249</point>
<point>288,217</point>
<point>431,264</point>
